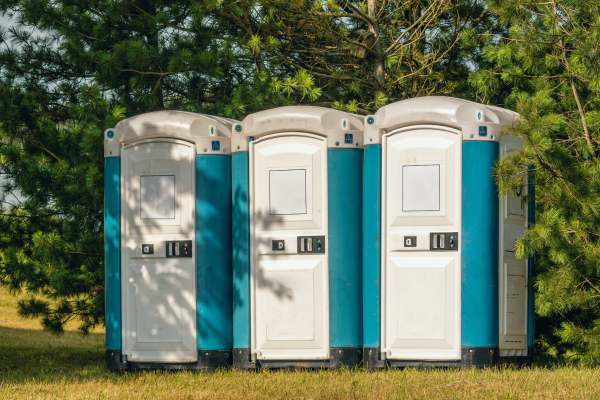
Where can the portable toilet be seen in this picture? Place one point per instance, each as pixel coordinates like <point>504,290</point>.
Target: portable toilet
<point>297,238</point>
<point>442,285</point>
<point>167,241</point>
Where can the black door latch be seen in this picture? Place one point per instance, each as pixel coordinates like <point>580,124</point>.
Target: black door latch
<point>439,241</point>
<point>179,248</point>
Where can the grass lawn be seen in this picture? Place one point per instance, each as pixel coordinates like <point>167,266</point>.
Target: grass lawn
<point>35,364</point>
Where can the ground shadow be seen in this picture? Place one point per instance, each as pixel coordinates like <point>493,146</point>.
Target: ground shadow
<point>28,354</point>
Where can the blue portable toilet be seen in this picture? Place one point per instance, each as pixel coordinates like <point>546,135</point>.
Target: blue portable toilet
<point>167,241</point>
<point>441,283</point>
<point>297,238</point>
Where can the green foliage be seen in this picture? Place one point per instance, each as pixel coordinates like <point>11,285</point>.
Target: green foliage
<point>544,63</point>
<point>362,55</point>
<point>50,228</point>
<point>69,70</point>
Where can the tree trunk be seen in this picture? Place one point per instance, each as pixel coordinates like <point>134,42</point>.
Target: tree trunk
<point>379,56</point>
<point>153,40</point>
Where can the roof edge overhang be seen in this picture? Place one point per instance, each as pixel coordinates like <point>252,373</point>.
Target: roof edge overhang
<point>329,123</point>
<point>200,129</point>
<point>464,115</point>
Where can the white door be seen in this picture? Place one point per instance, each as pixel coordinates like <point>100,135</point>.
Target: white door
<point>288,180</point>
<point>513,272</point>
<point>421,255</point>
<point>158,275</point>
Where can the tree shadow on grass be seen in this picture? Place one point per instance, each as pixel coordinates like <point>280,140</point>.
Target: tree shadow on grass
<point>27,354</point>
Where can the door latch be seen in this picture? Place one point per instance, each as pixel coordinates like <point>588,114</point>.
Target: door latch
<point>443,241</point>
<point>311,244</point>
<point>179,248</point>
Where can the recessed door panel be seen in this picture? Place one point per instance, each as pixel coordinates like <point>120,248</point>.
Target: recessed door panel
<point>289,301</point>
<point>421,223</point>
<point>158,283</point>
<point>424,295</point>
<point>513,272</point>
<point>289,275</point>
<point>515,295</point>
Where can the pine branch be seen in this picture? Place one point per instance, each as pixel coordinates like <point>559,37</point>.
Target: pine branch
<point>586,132</point>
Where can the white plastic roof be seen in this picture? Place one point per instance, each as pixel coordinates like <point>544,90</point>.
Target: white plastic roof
<point>330,123</point>
<point>194,127</point>
<point>441,110</point>
<point>472,120</point>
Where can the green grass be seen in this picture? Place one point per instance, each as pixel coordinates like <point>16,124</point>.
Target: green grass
<point>35,364</point>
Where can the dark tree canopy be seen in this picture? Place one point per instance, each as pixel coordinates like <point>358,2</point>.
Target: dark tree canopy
<point>361,55</point>
<point>68,70</point>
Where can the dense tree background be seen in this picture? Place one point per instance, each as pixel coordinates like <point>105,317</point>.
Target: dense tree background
<point>360,56</point>
<point>69,69</point>
<point>545,64</point>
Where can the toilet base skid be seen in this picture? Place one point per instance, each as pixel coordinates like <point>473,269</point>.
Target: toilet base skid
<point>208,360</point>
<point>472,357</point>
<point>340,357</point>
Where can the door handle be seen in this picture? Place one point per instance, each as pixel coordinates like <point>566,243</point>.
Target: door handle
<point>179,248</point>
<point>440,241</point>
<point>311,244</point>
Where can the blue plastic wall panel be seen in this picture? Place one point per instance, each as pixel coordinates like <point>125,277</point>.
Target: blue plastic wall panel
<point>371,253</point>
<point>241,254</point>
<point>344,172</point>
<point>213,252</point>
<point>480,236</point>
<point>531,261</point>
<point>112,252</point>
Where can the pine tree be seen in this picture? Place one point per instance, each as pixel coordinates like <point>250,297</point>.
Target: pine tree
<point>361,55</point>
<point>69,70</point>
<point>545,63</point>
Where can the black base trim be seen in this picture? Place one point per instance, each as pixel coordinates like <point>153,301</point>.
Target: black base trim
<point>155,366</point>
<point>340,357</point>
<point>348,357</point>
<point>371,358</point>
<point>114,361</point>
<point>472,357</point>
<point>480,357</point>
<point>345,357</point>
<point>208,360</point>
<point>423,364</point>
<point>241,359</point>
<point>211,360</point>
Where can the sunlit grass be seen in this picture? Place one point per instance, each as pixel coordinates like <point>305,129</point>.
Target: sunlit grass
<point>38,365</point>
